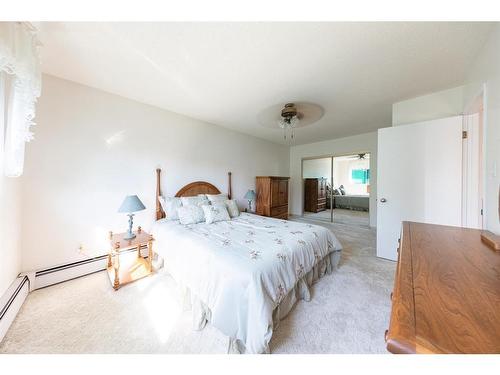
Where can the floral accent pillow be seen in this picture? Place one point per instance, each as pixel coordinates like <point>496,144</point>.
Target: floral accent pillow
<point>216,212</point>
<point>170,206</point>
<point>219,198</point>
<point>232,208</point>
<point>194,201</point>
<point>190,214</point>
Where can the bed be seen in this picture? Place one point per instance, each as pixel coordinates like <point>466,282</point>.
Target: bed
<point>243,275</point>
<point>352,202</point>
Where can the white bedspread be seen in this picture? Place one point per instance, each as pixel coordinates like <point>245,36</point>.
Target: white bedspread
<point>242,269</point>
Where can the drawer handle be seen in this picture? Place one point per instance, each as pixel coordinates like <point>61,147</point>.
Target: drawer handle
<point>386,334</point>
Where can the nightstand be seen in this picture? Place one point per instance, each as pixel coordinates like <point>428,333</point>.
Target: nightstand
<point>132,266</point>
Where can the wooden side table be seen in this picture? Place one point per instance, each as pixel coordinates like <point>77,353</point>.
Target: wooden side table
<point>134,267</point>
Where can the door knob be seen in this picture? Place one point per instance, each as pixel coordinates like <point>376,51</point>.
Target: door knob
<point>383,200</point>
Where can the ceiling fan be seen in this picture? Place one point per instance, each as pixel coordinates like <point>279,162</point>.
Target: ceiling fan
<point>361,156</point>
<point>290,116</point>
<point>289,120</point>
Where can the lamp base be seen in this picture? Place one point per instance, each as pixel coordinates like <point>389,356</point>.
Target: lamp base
<point>129,236</point>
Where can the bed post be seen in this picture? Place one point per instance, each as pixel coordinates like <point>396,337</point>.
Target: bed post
<point>229,192</point>
<point>158,193</point>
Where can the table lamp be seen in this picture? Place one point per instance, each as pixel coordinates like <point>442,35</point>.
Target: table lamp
<point>250,196</point>
<point>131,203</point>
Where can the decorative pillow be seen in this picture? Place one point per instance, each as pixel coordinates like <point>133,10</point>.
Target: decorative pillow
<point>190,214</point>
<point>219,198</point>
<point>170,206</point>
<point>341,189</point>
<point>194,201</point>
<point>232,208</point>
<point>216,212</point>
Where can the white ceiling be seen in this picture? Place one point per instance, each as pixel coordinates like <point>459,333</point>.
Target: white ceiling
<point>228,73</point>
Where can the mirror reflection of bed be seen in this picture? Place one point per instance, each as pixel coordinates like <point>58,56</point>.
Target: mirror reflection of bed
<point>337,189</point>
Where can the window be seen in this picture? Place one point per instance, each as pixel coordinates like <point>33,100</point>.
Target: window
<point>20,85</point>
<point>360,176</point>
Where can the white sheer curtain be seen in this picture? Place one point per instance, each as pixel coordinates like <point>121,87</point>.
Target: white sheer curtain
<point>20,86</point>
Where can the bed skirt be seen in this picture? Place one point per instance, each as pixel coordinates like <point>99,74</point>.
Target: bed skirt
<point>201,313</point>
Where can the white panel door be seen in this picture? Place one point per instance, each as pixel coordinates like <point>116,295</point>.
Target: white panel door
<point>471,173</point>
<point>419,178</point>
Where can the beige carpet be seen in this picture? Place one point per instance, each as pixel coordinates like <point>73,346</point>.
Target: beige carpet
<point>341,216</point>
<point>348,313</point>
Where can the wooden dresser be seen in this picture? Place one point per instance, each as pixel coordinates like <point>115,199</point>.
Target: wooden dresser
<point>314,194</point>
<point>272,196</point>
<point>446,296</point>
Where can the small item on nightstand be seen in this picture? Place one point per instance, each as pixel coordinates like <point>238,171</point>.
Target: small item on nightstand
<point>131,204</point>
<point>139,229</point>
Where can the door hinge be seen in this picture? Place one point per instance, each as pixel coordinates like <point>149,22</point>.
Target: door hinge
<point>481,212</point>
<point>464,134</point>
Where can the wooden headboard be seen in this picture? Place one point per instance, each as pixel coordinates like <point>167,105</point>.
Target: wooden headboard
<point>190,190</point>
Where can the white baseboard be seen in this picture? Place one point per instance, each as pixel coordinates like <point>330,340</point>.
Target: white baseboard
<point>11,302</point>
<point>13,298</point>
<point>69,271</point>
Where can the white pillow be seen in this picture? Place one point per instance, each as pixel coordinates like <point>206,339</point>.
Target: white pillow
<point>216,212</point>
<point>190,214</point>
<point>219,198</point>
<point>170,206</point>
<point>194,201</point>
<point>232,208</point>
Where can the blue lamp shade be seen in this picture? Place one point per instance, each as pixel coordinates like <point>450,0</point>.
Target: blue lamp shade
<point>131,203</point>
<point>250,195</point>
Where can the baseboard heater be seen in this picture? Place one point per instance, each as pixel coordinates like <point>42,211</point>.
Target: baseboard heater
<point>69,271</point>
<point>11,302</point>
<point>14,297</point>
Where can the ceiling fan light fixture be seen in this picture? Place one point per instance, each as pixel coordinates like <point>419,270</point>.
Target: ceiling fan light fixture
<point>289,110</point>
<point>290,116</point>
<point>289,120</point>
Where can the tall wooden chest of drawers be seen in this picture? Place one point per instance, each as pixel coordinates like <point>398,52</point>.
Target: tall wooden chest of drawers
<point>272,196</point>
<point>314,194</point>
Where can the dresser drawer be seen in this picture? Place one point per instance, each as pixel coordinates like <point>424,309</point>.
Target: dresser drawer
<point>278,211</point>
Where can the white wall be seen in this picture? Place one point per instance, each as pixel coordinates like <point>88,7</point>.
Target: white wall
<point>486,70</point>
<point>342,146</point>
<point>10,230</point>
<point>316,168</point>
<point>92,148</point>
<point>433,106</point>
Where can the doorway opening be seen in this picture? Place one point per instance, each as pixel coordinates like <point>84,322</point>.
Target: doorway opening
<point>336,189</point>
